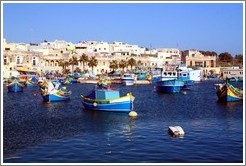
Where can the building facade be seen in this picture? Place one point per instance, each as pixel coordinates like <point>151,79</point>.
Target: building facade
<point>45,56</point>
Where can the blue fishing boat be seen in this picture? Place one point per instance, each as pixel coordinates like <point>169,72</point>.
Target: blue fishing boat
<point>169,86</point>
<point>141,75</point>
<point>15,86</point>
<point>127,79</point>
<point>232,79</point>
<point>181,75</point>
<point>52,91</point>
<point>185,77</point>
<point>108,99</point>
<point>228,93</point>
<point>31,81</point>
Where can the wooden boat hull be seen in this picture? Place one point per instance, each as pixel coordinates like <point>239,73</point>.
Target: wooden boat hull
<point>56,94</point>
<point>122,104</point>
<point>55,97</point>
<point>15,88</point>
<point>169,86</point>
<point>30,83</point>
<point>228,93</point>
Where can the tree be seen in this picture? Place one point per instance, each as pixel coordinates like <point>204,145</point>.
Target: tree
<point>63,64</point>
<point>92,62</point>
<point>73,61</point>
<point>66,64</point>
<point>208,53</point>
<point>225,57</point>
<point>139,63</point>
<point>239,58</point>
<point>131,62</point>
<point>123,64</point>
<point>84,59</point>
<point>113,65</point>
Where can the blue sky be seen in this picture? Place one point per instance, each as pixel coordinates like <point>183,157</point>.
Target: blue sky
<point>204,26</point>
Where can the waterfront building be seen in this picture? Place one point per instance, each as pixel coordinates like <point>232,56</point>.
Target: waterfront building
<point>121,48</point>
<point>45,56</point>
<point>14,59</point>
<point>195,59</point>
<point>229,72</point>
<point>168,56</point>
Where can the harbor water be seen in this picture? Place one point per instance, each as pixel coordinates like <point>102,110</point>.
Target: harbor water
<point>63,132</point>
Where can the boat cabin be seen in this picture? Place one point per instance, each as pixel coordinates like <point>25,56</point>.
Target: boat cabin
<point>107,94</point>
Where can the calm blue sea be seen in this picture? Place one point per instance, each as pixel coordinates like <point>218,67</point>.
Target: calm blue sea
<point>63,132</point>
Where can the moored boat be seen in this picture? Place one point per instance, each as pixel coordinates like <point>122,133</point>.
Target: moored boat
<point>52,91</point>
<point>172,81</point>
<point>15,86</point>
<point>227,92</point>
<point>127,79</point>
<point>169,86</point>
<point>194,74</point>
<point>108,99</point>
<point>141,75</point>
<point>31,81</point>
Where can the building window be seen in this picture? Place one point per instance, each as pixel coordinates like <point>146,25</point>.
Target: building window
<point>18,60</point>
<point>193,55</point>
<point>198,64</point>
<point>212,63</point>
<point>5,60</point>
<point>34,61</point>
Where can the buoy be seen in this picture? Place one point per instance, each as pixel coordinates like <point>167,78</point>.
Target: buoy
<point>176,131</point>
<point>34,94</point>
<point>94,104</point>
<point>184,92</point>
<point>133,114</point>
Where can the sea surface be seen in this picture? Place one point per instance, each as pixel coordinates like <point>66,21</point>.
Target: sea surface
<point>63,132</point>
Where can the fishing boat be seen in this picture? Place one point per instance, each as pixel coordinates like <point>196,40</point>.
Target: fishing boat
<point>185,77</point>
<point>108,99</point>
<point>227,92</point>
<point>232,79</point>
<point>196,75</point>
<point>15,86</point>
<point>169,86</point>
<point>141,75</point>
<point>174,81</point>
<point>52,91</point>
<point>127,79</point>
<point>25,73</point>
<point>31,81</point>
